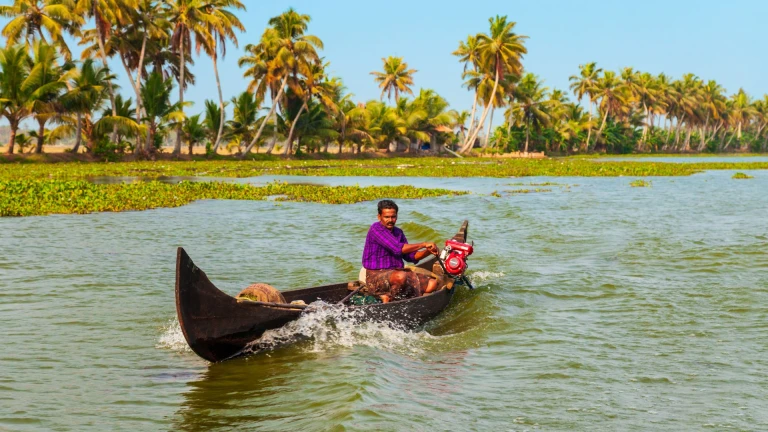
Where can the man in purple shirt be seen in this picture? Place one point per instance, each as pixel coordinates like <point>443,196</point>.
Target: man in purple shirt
<point>385,249</point>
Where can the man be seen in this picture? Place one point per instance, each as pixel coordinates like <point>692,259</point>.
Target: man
<point>385,249</point>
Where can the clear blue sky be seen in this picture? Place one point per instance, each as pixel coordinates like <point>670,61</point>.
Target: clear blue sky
<point>725,41</point>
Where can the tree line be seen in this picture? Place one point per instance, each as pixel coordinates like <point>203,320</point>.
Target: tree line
<point>291,104</point>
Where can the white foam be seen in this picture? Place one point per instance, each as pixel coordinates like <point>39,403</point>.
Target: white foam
<point>172,337</point>
<point>331,326</point>
<point>482,276</point>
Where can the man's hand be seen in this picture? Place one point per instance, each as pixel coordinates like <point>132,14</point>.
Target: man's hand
<point>431,248</point>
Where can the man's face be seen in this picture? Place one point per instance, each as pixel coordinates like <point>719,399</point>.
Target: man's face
<point>388,218</point>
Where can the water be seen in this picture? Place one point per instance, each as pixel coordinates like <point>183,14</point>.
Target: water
<point>599,307</point>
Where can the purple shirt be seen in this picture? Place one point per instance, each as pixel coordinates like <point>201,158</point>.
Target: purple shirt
<point>383,248</point>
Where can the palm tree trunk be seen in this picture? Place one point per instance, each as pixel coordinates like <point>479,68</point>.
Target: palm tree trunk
<point>111,91</point>
<point>137,149</point>
<point>12,140</point>
<point>264,122</point>
<point>343,133</point>
<point>468,145</point>
<point>488,128</point>
<point>687,146</point>
<point>600,131</point>
<point>471,121</point>
<point>289,142</point>
<point>221,98</point>
<point>177,147</point>
<point>40,136</point>
<point>78,133</point>
<point>272,144</point>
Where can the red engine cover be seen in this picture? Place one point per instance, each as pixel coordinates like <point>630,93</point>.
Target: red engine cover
<point>455,262</point>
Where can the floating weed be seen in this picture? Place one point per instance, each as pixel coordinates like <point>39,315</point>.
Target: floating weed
<point>408,167</point>
<point>40,197</point>
<point>640,183</point>
<point>525,191</point>
<point>496,194</point>
<point>741,176</point>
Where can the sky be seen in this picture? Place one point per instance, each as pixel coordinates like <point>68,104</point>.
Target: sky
<point>724,41</point>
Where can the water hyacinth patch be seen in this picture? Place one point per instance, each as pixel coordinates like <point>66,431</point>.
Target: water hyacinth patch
<point>41,197</point>
<point>640,183</point>
<point>405,167</point>
<point>741,176</point>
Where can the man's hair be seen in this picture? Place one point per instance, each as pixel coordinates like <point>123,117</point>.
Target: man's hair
<point>387,204</point>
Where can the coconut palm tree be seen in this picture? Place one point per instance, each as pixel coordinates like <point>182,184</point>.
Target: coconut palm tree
<point>277,57</point>
<point>222,30</point>
<point>30,17</point>
<point>586,84</point>
<point>46,82</point>
<point>158,109</point>
<point>106,14</point>
<point>470,56</point>
<point>246,109</point>
<point>613,96</point>
<point>211,121</point>
<point>15,96</point>
<point>190,18</point>
<point>396,78</point>
<point>194,131</point>
<point>500,54</point>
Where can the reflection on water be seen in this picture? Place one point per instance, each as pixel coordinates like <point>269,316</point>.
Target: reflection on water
<point>604,307</point>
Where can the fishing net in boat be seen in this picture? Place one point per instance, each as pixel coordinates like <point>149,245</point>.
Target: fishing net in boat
<point>263,293</point>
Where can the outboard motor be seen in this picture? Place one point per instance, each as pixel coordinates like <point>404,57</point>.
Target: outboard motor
<point>453,259</point>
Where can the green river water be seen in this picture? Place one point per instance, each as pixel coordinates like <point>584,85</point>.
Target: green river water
<point>599,307</point>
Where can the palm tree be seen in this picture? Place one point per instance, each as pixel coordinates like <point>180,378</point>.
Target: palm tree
<point>222,30</point>
<point>156,94</point>
<point>470,56</point>
<point>194,131</point>
<point>246,109</point>
<point>396,77</point>
<point>190,18</point>
<point>47,80</point>
<point>15,96</point>
<point>312,75</point>
<point>530,105</point>
<point>87,92</point>
<point>213,115</point>
<point>500,54</point>
<point>742,111</point>
<point>586,84</point>
<point>613,96</point>
<point>106,14</point>
<point>277,57</point>
<point>30,17</point>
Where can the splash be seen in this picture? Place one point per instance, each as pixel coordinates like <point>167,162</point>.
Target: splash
<point>330,326</point>
<point>482,276</point>
<point>172,338</point>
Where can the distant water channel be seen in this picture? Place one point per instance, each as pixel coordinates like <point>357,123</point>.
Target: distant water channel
<point>599,307</point>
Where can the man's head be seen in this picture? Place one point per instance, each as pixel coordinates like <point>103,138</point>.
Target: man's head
<point>388,213</point>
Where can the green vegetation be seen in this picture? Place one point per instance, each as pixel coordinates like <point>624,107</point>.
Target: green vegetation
<point>79,102</point>
<point>40,197</point>
<point>526,191</point>
<point>640,183</point>
<point>742,176</point>
<point>406,167</point>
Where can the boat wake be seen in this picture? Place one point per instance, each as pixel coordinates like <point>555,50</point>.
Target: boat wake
<point>172,338</point>
<point>330,326</point>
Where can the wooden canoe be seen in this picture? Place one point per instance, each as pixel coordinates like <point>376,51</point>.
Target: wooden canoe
<point>217,326</point>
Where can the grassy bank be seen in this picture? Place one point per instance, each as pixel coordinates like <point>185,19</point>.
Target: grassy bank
<point>41,197</point>
<point>412,167</point>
